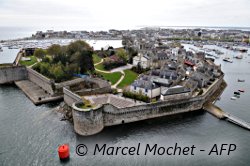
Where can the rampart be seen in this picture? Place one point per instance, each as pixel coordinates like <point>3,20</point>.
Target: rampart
<point>12,73</point>
<point>70,97</point>
<point>41,81</point>
<point>112,115</point>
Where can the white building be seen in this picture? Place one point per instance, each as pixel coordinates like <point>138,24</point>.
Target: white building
<point>143,60</point>
<point>146,88</point>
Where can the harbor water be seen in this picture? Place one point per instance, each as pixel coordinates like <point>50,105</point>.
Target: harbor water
<point>30,135</point>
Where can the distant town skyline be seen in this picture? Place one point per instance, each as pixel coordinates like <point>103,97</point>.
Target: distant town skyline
<point>77,14</point>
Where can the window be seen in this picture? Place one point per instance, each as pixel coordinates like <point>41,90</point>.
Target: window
<point>146,90</point>
<point>134,87</point>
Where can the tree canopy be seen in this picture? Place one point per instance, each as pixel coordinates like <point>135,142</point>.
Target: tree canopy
<point>39,53</point>
<point>64,61</point>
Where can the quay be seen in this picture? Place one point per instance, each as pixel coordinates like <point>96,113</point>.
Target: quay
<point>219,113</point>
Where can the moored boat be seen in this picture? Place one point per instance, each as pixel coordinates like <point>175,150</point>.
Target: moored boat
<point>237,93</point>
<point>233,98</point>
<point>227,60</point>
<point>239,57</point>
<point>241,80</point>
<point>241,90</point>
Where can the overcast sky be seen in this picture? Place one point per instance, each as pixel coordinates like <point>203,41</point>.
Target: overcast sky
<point>123,14</point>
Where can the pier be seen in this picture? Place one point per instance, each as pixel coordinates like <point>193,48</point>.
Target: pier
<point>237,121</point>
<point>217,112</point>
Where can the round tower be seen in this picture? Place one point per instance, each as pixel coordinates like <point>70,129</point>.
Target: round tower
<point>87,121</point>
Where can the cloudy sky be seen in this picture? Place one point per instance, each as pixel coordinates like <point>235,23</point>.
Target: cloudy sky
<point>123,14</point>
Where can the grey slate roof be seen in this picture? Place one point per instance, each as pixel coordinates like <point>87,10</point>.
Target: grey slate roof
<point>175,90</point>
<point>145,84</point>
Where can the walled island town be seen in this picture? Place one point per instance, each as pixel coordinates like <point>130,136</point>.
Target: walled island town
<point>147,73</point>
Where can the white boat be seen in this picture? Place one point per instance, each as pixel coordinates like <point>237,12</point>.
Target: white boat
<point>239,57</point>
<point>226,59</point>
<point>233,98</point>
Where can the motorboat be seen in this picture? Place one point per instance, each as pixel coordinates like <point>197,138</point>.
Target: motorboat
<point>237,93</point>
<point>239,57</point>
<point>241,90</point>
<point>240,80</point>
<point>233,98</point>
<point>226,59</point>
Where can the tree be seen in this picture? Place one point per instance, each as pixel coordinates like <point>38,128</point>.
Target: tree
<point>39,53</point>
<point>54,50</point>
<point>122,54</point>
<point>81,53</point>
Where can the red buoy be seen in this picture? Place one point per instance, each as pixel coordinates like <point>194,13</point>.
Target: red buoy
<point>63,151</point>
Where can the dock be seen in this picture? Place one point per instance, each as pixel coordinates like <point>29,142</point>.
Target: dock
<point>35,93</point>
<point>237,121</point>
<point>219,113</point>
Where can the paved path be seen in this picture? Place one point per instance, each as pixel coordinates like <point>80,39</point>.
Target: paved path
<point>119,69</point>
<point>119,81</point>
<point>98,62</point>
<point>122,68</point>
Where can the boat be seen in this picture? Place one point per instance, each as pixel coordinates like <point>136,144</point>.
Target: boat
<point>241,90</point>
<point>227,60</point>
<point>240,80</point>
<point>233,98</point>
<point>239,57</point>
<point>237,93</point>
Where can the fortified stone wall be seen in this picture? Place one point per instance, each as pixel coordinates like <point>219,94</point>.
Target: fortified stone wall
<point>12,73</point>
<point>95,91</point>
<point>40,80</point>
<point>90,123</point>
<point>115,116</point>
<point>70,97</point>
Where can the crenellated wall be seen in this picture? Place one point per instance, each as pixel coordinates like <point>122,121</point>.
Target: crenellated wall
<point>12,73</point>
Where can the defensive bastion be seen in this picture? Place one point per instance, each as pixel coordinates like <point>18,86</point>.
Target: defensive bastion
<point>93,120</point>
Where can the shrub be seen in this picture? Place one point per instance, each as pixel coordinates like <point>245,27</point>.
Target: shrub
<point>136,96</point>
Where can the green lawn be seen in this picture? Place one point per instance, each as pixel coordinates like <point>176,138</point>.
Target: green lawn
<point>129,78</point>
<point>100,67</point>
<point>112,77</point>
<point>29,63</point>
<point>96,58</point>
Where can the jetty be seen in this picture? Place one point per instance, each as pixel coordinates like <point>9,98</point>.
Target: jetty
<point>219,113</point>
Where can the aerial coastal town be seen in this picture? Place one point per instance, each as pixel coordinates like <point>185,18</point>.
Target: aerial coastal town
<point>150,75</point>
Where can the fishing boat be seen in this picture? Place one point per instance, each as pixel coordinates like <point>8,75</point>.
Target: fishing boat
<point>240,80</point>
